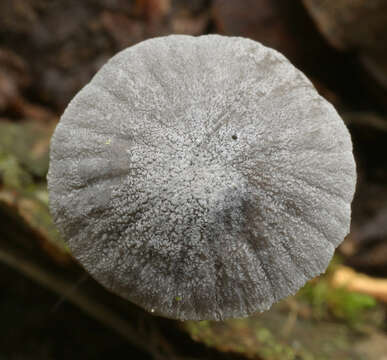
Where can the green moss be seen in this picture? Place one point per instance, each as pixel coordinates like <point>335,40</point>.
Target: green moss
<point>27,142</point>
<point>271,348</point>
<point>12,175</point>
<point>326,300</point>
<point>244,336</point>
<point>350,305</point>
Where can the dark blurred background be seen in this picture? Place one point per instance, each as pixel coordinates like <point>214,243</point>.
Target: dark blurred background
<point>50,309</point>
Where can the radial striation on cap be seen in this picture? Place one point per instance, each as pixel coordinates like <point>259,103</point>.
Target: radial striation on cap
<point>201,177</point>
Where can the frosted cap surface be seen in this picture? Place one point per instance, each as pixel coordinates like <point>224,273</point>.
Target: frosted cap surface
<point>201,177</point>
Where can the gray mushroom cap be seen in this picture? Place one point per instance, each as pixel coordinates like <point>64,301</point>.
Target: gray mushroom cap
<point>201,177</point>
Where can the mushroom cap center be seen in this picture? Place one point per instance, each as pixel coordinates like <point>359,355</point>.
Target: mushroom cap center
<point>190,189</point>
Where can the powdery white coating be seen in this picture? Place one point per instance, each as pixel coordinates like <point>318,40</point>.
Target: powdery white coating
<point>201,177</point>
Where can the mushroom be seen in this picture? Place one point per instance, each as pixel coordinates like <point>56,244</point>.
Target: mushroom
<point>201,177</point>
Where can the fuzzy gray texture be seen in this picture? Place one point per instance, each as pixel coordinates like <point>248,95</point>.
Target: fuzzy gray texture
<point>201,177</point>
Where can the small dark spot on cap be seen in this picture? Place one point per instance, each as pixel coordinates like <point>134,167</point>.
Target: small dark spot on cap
<point>234,137</point>
<point>202,257</point>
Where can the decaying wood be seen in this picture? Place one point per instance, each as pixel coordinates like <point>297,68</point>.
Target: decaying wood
<point>357,26</point>
<point>353,281</point>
